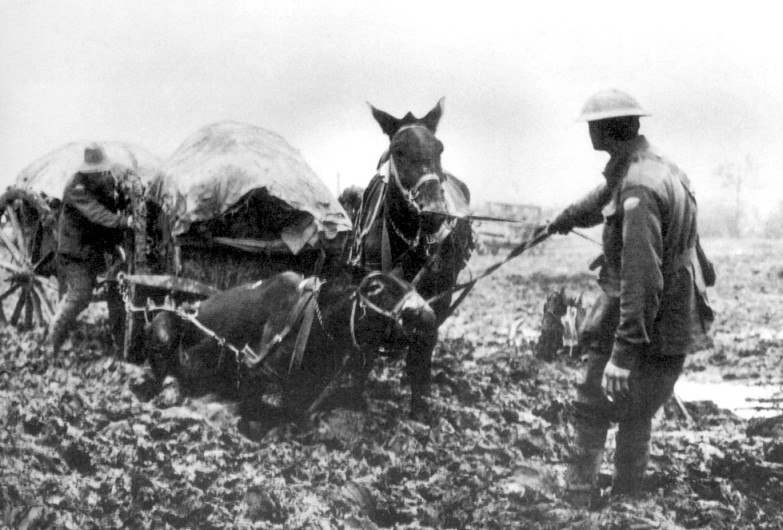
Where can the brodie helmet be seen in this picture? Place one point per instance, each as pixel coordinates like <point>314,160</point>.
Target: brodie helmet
<point>610,103</point>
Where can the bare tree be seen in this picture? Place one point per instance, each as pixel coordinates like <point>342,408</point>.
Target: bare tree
<point>735,177</point>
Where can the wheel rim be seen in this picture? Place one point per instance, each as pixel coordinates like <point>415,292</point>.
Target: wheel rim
<point>32,306</point>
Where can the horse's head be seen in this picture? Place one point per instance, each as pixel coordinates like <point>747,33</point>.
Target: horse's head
<point>414,158</point>
<point>381,299</point>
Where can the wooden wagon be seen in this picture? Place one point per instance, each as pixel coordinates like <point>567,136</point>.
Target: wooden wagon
<point>29,212</point>
<point>234,203</point>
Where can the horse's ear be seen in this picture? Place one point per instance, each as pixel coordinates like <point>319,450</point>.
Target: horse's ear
<point>432,118</point>
<point>389,124</point>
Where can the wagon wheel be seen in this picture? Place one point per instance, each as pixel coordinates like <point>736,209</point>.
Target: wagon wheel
<point>20,235</point>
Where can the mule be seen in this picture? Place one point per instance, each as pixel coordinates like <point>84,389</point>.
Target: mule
<point>413,221</point>
<point>346,315</point>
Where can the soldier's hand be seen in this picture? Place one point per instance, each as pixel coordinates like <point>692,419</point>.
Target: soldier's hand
<point>130,221</point>
<point>561,225</point>
<point>615,381</point>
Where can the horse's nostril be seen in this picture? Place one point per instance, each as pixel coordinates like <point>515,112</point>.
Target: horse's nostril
<point>419,319</point>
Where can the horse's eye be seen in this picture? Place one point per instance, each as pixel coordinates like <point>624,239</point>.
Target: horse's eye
<point>375,288</point>
<point>398,153</point>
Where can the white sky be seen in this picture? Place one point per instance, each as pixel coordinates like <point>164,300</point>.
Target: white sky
<point>514,76</point>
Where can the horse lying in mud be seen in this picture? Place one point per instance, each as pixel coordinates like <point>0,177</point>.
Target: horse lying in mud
<point>340,317</point>
<point>412,220</point>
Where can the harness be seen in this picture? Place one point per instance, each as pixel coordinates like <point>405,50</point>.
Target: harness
<point>302,314</point>
<point>369,211</point>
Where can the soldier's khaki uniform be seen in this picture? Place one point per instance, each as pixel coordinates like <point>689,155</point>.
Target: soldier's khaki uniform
<point>89,228</point>
<point>648,315</point>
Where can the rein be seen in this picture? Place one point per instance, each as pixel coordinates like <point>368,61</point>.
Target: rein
<point>538,237</point>
<point>304,311</point>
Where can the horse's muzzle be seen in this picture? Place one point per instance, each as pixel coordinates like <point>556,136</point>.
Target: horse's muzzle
<point>428,195</point>
<point>417,316</point>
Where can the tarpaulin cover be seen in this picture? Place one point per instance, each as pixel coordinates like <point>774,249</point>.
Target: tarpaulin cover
<point>230,168</point>
<point>49,173</point>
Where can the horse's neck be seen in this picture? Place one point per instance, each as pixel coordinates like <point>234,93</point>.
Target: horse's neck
<point>397,211</point>
<point>335,303</point>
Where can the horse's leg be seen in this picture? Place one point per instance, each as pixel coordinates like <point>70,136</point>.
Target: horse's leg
<point>359,366</point>
<point>199,366</point>
<point>418,366</point>
<point>419,362</point>
<point>163,337</point>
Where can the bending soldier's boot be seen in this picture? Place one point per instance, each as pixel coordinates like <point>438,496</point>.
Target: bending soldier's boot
<point>80,282</point>
<point>630,458</point>
<point>57,332</point>
<point>584,466</point>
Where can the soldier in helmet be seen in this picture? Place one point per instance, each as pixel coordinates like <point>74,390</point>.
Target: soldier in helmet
<point>644,322</point>
<point>90,226</point>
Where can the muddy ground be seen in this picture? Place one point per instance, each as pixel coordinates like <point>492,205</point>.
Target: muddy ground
<point>79,449</point>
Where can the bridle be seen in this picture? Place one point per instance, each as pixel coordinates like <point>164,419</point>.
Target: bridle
<point>360,301</point>
<point>411,194</point>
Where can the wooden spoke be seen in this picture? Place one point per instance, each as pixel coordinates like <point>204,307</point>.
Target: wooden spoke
<point>38,289</point>
<point>19,306</point>
<point>10,291</point>
<point>15,254</point>
<point>46,305</point>
<point>36,303</point>
<point>10,267</point>
<point>21,244</point>
<point>48,283</point>
<point>28,308</point>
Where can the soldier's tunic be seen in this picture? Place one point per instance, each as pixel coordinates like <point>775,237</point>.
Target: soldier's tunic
<point>89,227</point>
<point>647,316</point>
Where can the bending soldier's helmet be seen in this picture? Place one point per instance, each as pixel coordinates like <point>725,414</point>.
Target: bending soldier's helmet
<point>610,103</point>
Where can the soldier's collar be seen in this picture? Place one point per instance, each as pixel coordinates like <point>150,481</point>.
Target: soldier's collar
<point>618,163</point>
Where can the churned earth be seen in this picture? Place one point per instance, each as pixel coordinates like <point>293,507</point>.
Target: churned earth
<point>79,449</point>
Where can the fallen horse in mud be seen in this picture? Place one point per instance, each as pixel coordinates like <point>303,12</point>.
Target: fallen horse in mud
<point>291,331</point>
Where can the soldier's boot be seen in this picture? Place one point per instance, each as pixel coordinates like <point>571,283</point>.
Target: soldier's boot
<point>585,464</point>
<point>630,463</point>
<point>57,332</point>
<point>582,477</point>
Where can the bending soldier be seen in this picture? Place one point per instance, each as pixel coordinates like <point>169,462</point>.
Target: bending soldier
<point>639,330</point>
<point>90,227</point>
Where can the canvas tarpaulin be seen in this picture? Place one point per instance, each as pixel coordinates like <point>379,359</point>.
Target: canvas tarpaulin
<point>49,173</point>
<point>241,182</point>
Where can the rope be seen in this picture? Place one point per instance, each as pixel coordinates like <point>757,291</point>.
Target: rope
<point>539,236</point>
<point>583,236</point>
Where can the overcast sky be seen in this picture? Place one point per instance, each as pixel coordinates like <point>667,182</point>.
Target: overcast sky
<point>514,77</point>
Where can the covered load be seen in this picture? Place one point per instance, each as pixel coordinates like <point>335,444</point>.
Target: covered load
<point>48,174</point>
<point>242,186</point>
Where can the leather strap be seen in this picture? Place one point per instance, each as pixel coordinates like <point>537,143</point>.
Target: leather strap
<point>386,253</point>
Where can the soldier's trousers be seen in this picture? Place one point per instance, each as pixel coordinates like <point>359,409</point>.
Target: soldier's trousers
<point>651,385</point>
<point>80,279</point>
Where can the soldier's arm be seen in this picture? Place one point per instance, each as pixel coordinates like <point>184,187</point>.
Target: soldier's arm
<point>584,213</point>
<point>78,197</point>
<point>641,281</point>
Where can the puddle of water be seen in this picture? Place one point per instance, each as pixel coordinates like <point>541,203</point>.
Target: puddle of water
<point>736,397</point>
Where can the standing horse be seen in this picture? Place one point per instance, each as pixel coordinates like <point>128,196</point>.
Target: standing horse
<point>412,221</point>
